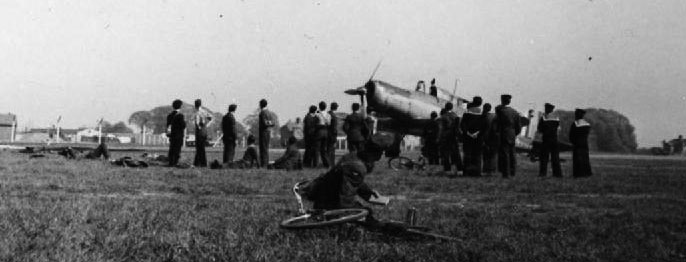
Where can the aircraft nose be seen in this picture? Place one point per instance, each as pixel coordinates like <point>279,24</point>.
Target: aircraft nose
<point>356,91</point>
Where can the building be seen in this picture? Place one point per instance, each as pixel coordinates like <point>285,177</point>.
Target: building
<point>8,127</point>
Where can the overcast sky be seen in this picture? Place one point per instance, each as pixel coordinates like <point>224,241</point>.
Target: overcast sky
<point>90,59</point>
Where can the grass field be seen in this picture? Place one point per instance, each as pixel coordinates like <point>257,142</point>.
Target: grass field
<point>54,209</point>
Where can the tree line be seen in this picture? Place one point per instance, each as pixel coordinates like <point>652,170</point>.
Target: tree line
<point>610,130</point>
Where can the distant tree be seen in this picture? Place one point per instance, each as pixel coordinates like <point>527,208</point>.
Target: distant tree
<point>141,119</point>
<point>610,130</point>
<point>119,127</point>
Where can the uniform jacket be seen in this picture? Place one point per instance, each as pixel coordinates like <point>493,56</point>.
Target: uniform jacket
<point>508,124</point>
<point>548,126</point>
<point>177,125</point>
<point>310,126</point>
<point>333,126</point>
<point>578,133</point>
<point>430,132</point>
<point>323,122</point>
<point>229,127</point>
<point>473,126</point>
<point>355,127</point>
<point>449,127</point>
<point>201,119</point>
<point>266,120</point>
<point>491,137</point>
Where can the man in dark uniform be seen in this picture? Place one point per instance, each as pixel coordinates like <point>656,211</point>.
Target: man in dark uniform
<point>356,129</point>
<point>449,149</point>
<point>454,134</point>
<point>548,126</point>
<point>433,90</point>
<point>229,134</point>
<point>509,126</point>
<point>266,122</point>
<point>176,126</point>
<point>578,136</point>
<point>333,132</point>
<point>473,127</point>
<point>310,132</point>
<point>491,140</point>
<point>322,139</point>
<point>430,135</point>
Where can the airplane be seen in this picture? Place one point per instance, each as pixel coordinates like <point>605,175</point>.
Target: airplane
<point>406,112</point>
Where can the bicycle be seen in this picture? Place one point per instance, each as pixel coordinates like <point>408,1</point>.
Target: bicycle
<point>308,219</point>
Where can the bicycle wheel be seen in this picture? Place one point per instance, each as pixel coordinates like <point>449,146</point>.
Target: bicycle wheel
<point>400,163</point>
<point>328,218</point>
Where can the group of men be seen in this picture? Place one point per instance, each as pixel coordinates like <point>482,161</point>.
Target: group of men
<point>201,118</point>
<point>321,133</point>
<point>488,139</point>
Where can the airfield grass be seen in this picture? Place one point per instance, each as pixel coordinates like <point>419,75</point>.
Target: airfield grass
<point>54,209</point>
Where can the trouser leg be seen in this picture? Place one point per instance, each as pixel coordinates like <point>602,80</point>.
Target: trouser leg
<point>264,149</point>
<point>555,161</point>
<point>456,158</point>
<point>543,160</point>
<point>324,151</point>
<point>445,157</point>
<point>503,161</point>
<point>315,152</point>
<point>513,160</point>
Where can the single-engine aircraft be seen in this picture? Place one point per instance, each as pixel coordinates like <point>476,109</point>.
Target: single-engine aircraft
<point>404,112</point>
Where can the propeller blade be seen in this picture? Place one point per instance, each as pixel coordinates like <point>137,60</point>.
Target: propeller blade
<point>356,91</point>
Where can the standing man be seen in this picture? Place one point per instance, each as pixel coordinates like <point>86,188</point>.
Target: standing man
<point>265,124</point>
<point>176,127</point>
<point>322,140</point>
<point>578,136</point>
<point>202,119</point>
<point>454,133</point>
<point>473,128</point>
<point>333,133</point>
<point>310,133</point>
<point>430,135</point>
<point>491,140</point>
<point>508,128</point>
<point>230,134</point>
<point>433,90</point>
<point>445,139</point>
<point>548,126</point>
<point>355,128</point>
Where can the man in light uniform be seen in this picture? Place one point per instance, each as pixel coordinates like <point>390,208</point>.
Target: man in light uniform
<point>321,144</point>
<point>202,120</point>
